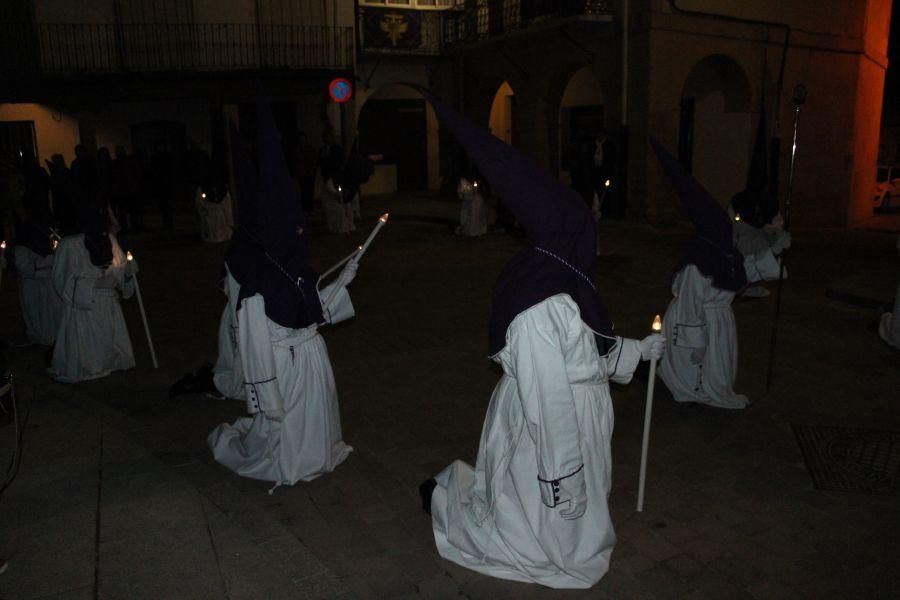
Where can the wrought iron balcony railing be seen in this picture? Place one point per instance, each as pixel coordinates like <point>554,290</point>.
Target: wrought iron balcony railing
<point>35,50</point>
<point>476,20</point>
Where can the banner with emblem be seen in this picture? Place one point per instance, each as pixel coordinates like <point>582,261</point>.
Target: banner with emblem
<point>391,29</point>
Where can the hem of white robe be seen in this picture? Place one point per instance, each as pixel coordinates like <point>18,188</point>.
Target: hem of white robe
<point>62,378</point>
<point>231,430</point>
<point>558,580</point>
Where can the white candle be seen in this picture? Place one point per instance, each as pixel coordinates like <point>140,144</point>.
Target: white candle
<point>340,263</point>
<point>648,410</point>
<point>137,288</point>
<point>381,221</point>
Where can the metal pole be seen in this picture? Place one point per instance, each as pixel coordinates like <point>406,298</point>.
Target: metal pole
<point>798,99</point>
<point>137,289</point>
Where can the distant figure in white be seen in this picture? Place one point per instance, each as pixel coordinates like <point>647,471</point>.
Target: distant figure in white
<point>338,216</point>
<point>701,364</point>
<point>758,237</point>
<point>271,353</point>
<point>889,324</point>
<point>41,305</point>
<point>473,212</point>
<point>534,506</point>
<point>213,205</point>
<point>90,273</point>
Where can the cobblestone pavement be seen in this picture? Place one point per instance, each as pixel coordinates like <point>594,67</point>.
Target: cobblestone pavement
<point>118,497</point>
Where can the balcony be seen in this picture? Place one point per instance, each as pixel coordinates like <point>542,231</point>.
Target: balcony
<point>479,20</point>
<point>51,50</point>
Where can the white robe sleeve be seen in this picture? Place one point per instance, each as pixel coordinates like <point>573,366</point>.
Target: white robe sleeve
<point>257,357</point>
<point>623,360</point>
<point>117,268</point>
<point>66,271</point>
<point>536,342</point>
<point>690,327</point>
<point>341,307</point>
<point>26,262</point>
<point>762,266</point>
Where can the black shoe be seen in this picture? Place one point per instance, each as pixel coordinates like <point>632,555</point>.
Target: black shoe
<point>425,492</point>
<point>199,383</point>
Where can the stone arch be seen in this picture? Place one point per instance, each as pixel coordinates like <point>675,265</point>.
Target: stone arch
<point>501,119</point>
<point>715,132</point>
<point>581,111</point>
<point>395,121</point>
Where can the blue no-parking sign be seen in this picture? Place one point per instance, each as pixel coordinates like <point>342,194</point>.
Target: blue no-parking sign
<point>340,90</point>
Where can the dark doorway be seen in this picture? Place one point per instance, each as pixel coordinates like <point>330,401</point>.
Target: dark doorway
<point>577,124</point>
<point>686,134</point>
<point>17,139</point>
<point>396,129</point>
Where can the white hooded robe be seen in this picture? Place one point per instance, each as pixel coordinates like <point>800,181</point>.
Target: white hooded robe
<point>701,362</point>
<point>92,340</point>
<point>278,368</point>
<point>550,418</point>
<point>41,306</point>
<point>473,212</point>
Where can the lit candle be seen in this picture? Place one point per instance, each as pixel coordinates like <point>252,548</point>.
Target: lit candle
<point>129,256</point>
<point>2,248</point>
<point>648,410</point>
<point>203,195</point>
<point>737,217</point>
<point>607,183</point>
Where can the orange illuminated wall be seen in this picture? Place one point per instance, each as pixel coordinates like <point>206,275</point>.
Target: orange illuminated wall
<point>57,132</point>
<point>869,98</point>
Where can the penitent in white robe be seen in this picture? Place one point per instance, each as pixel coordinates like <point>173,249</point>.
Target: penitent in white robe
<point>216,222</point>
<point>889,326</point>
<point>756,241</point>
<point>338,216</point>
<point>92,340</point>
<point>701,362</point>
<point>41,306</point>
<point>279,368</point>
<point>473,212</point>
<point>550,416</point>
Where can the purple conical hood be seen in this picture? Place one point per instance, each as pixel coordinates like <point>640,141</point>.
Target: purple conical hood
<point>707,215</point>
<point>246,181</point>
<point>280,208</point>
<point>269,255</point>
<point>559,225</point>
<point>712,249</point>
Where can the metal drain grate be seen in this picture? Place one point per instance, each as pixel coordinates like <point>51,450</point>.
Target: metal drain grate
<point>864,461</point>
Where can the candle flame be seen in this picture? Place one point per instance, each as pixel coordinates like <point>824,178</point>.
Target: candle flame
<point>607,183</point>
<point>129,256</point>
<point>474,184</point>
<point>359,247</point>
<point>54,244</point>
<point>657,324</point>
<point>203,195</point>
<point>737,217</point>
<point>339,188</point>
<point>383,218</point>
<point>3,245</point>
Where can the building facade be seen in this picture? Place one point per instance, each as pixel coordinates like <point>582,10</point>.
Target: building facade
<point>702,76</point>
